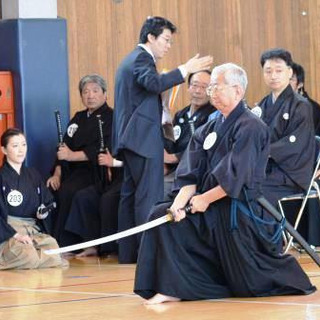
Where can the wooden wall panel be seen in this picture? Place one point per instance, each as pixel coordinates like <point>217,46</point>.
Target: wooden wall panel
<point>102,32</point>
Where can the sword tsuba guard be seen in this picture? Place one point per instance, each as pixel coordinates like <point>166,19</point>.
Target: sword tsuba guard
<point>170,215</point>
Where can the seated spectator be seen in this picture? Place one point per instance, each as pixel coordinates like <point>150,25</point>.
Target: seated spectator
<point>24,197</point>
<point>289,118</point>
<point>185,122</point>
<point>77,166</point>
<point>297,84</point>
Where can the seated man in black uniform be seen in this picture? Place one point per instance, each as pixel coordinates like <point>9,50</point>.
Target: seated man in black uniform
<point>223,249</point>
<point>185,122</point>
<point>77,158</point>
<point>289,118</point>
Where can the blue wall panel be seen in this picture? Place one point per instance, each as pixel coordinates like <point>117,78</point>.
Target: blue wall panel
<point>35,51</point>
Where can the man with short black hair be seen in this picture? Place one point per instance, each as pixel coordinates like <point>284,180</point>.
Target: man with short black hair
<point>137,133</point>
<point>289,118</point>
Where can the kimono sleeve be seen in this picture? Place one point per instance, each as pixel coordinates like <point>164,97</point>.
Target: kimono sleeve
<point>294,150</point>
<point>6,231</point>
<point>245,162</point>
<point>46,195</point>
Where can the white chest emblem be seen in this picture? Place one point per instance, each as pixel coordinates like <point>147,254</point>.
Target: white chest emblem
<point>14,198</point>
<point>292,139</point>
<point>72,129</point>
<point>176,132</point>
<point>210,140</point>
<point>285,116</point>
<point>257,111</point>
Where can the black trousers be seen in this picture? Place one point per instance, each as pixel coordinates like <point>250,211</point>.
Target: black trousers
<point>142,188</point>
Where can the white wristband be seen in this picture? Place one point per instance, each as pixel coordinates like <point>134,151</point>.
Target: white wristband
<point>183,71</point>
<point>117,163</point>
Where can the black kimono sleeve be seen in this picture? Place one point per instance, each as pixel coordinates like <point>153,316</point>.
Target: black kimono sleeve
<point>245,162</point>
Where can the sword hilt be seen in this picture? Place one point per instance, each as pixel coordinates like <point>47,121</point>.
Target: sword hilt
<point>102,146</point>
<point>171,214</point>
<point>59,127</point>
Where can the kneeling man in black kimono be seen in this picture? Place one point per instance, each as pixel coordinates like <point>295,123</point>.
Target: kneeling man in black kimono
<point>224,248</point>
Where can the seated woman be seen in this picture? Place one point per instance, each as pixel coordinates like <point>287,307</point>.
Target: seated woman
<point>224,248</point>
<point>22,241</point>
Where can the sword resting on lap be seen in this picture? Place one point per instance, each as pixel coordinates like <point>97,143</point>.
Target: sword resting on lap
<point>122,234</point>
<point>294,233</point>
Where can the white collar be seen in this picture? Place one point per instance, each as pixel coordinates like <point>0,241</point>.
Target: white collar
<point>142,45</point>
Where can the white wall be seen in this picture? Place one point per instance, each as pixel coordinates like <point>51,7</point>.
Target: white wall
<point>32,9</point>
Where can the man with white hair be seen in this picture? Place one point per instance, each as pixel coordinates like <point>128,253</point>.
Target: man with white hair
<point>223,248</point>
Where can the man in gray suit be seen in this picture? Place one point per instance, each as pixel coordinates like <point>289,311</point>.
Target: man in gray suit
<point>137,133</point>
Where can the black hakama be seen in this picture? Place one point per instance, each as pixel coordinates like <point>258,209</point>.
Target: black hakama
<point>94,214</point>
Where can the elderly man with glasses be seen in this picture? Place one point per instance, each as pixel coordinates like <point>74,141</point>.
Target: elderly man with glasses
<point>222,249</point>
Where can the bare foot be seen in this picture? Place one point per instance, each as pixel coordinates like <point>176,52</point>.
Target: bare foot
<point>89,252</point>
<point>160,298</point>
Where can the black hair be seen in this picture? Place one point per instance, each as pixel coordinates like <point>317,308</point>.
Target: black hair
<point>276,53</point>
<point>298,71</point>
<point>9,133</point>
<point>155,26</point>
<point>192,74</point>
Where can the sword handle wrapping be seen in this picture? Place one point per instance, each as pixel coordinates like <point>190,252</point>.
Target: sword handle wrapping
<point>59,127</point>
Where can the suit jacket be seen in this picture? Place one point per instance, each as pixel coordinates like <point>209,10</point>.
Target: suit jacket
<point>138,108</point>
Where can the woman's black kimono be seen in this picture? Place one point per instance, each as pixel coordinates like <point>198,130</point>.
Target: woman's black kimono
<point>33,191</point>
<point>225,251</point>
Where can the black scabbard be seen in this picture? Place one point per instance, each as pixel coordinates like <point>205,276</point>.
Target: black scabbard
<point>103,178</point>
<point>63,163</point>
<point>59,127</point>
<point>294,233</point>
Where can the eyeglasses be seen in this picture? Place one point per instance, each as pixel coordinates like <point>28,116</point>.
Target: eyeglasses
<point>216,88</point>
<point>167,40</point>
<point>196,86</point>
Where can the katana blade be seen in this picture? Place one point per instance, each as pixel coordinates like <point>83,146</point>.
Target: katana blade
<point>122,234</point>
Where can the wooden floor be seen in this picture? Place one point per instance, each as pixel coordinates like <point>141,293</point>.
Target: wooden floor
<point>93,288</point>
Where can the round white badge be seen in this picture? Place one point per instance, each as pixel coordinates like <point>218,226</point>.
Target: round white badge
<point>181,120</point>
<point>292,139</point>
<point>285,116</point>
<point>15,198</point>
<point>72,129</point>
<point>257,111</point>
<point>210,140</point>
<point>176,132</point>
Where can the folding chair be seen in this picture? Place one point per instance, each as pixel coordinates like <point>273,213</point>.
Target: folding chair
<point>312,192</point>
